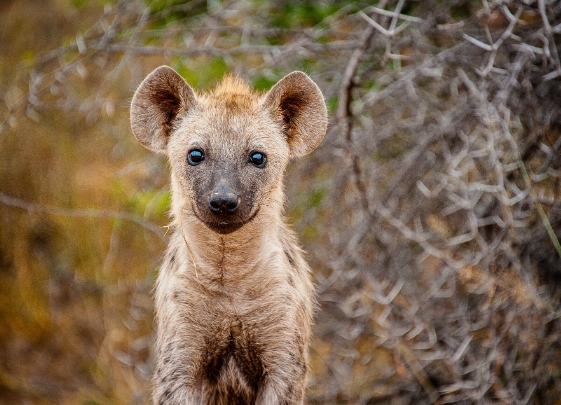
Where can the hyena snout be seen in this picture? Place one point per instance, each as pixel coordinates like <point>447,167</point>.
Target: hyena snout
<point>223,201</point>
<point>226,207</point>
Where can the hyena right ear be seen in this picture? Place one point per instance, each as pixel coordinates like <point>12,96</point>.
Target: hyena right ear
<point>297,104</point>
<point>162,97</point>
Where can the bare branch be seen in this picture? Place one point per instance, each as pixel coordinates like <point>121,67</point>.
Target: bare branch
<point>82,213</point>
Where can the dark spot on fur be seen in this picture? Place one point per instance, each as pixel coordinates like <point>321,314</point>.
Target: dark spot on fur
<point>160,376</point>
<point>172,258</point>
<point>289,257</point>
<point>290,390</point>
<point>291,280</point>
<point>167,394</point>
<point>167,355</point>
<point>252,293</point>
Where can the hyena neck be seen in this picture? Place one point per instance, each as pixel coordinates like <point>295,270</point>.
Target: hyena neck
<point>216,255</point>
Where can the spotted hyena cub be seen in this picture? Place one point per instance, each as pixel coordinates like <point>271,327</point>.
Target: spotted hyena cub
<point>234,296</point>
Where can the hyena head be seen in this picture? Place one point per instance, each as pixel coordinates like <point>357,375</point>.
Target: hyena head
<point>228,149</point>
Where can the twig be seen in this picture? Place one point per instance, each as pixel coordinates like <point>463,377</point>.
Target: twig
<point>168,52</point>
<point>388,33</point>
<point>347,83</point>
<point>546,25</point>
<point>388,13</point>
<point>418,372</point>
<point>545,220</point>
<point>82,213</point>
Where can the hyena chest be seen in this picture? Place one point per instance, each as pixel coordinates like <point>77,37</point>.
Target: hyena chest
<point>233,362</point>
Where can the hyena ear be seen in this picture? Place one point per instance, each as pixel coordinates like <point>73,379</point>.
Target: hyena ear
<point>297,103</point>
<point>162,98</point>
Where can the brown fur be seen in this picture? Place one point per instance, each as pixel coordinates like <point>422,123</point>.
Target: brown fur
<point>234,297</point>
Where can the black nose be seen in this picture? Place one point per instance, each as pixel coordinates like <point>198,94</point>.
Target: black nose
<point>223,202</point>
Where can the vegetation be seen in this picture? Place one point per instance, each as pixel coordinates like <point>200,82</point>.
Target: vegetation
<point>431,213</point>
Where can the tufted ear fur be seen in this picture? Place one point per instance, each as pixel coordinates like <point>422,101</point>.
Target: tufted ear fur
<point>162,98</point>
<point>297,103</point>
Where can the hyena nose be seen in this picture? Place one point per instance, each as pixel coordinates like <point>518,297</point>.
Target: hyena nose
<point>223,202</point>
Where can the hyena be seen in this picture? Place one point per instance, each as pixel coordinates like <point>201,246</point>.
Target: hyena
<point>234,295</point>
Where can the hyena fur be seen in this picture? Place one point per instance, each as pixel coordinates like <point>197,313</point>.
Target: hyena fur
<point>234,296</point>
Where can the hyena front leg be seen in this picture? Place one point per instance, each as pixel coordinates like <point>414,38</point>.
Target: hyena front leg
<point>176,396</point>
<point>272,393</point>
<point>285,380</point>
<point>176,380</point>
<point>180,347</point>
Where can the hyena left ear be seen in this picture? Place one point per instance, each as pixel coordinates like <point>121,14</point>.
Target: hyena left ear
<point>297,103</point>
<point>160,101</point>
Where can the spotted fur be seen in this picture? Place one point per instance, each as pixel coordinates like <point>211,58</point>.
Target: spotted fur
<point>234,298</point>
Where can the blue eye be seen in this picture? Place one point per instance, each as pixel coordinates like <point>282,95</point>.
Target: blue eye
<point>195,156</point>
<point>258,159</point>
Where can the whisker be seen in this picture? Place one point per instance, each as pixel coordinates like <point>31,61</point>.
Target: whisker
<point>185,240</point>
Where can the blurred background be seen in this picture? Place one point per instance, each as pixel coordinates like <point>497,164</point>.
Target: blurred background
<point>431,213</point>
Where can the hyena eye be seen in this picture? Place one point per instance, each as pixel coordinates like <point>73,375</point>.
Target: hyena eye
<point>195,156</point>
<point>258,159</point>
